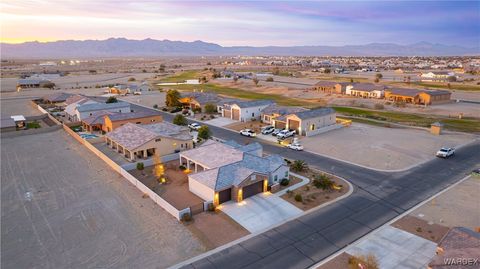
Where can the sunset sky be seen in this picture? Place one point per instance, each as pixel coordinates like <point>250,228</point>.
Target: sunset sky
<point>253,23</point>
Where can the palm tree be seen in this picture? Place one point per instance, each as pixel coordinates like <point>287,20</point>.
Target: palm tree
<point>299,166</point>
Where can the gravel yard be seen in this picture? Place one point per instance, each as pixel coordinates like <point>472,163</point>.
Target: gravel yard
<point>62,207</point>
<point>381,148</point>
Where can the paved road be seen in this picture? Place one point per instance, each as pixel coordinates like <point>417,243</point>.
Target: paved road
<point>377,198</point>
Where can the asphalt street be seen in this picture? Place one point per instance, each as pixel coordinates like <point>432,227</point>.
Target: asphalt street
<point>378,197</point>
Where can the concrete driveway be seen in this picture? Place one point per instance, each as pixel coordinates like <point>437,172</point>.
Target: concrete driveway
<point>260,212</point>
<point>220,121</point>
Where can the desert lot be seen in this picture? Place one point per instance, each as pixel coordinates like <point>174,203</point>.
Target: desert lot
<point>382,148</point>
<point>62,207</point>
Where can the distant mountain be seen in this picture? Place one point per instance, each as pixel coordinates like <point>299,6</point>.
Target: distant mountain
<point>121,47</point>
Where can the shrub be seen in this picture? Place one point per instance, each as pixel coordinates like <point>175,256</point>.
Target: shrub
<point>140,166</point>
<point>299,166</point>
<point>323,182</point>
<point>211,207</point>
<point>180,120</point>
<point>367,262</point>
<point>111,99</point>
<point>298,197</point>
<point>269,79</point>
<point>186,217</point>
<point>419,229</point>
<point>204,132</point>
<point>210,108</point>
<point>182,167</point>
<point>379,106</point>
<point>132,78</point>
<point>156,107</point>
<point>284,182</point>
<point>212,117</point>
<point>163,108</point>
<point>197,109</point>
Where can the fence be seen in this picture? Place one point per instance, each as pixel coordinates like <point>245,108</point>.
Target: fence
<point>157,199</point>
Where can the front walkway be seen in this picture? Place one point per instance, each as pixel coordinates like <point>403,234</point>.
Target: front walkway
<point>304,182</point>
<point>260,212</point>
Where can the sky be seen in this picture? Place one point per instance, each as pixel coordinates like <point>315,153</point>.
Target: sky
<point>244,23</point>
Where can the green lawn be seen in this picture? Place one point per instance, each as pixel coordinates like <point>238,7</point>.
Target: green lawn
<point>243,94</point>
<point>462,125</point>
<point>192,74</point>
<point>33,125</point>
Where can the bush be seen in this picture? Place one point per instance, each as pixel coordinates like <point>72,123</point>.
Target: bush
<point>111,99</point>
<point>299,166</point>
<point>140,166</point>
<point>156,107</point>
<point>212,117</point>
<point>211,207</point>
<point>180,120</point>
<point>182,167</point>
<point>210,108</point>
<point>204,132</point>
<point>269,79</point>
<point>186,217</point>
<point>132,78</point>
<point>197,110</point>
<point>323,182</point>
<point>163,108</point>
<point>298,197</point>
<point>367,262</point>
<point>284,182</point>
<point>379,106</point>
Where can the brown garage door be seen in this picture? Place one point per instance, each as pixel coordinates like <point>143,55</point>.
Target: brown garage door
<point>280,124</point>
<point>225,196</point>
<point>236,114</point>
<point>294,124</point>
<point>227,113</point>
<point>252,189</point>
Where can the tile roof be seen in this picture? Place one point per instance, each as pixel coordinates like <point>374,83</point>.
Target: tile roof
<point>314,113</point>
<point>213,154</point>
<point>98,117</point>
<point>134,115</point>
<point>368,87</point>
<point>131,136</point>
<point>102,106</point>
<point>57,97</point>
<point>282,110</point>
<point>74,99</point>
<point>253,103</point>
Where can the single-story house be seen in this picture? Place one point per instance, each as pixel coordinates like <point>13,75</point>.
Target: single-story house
<point>366,90</point>
<point>229,171</point>
<point>85,110</point>
<point>436,75</point>
<point>195,100</point>
<point>73,102</point>
<point>416,96</point>
<point>137,141</point>
<point>331,87</point>
<point>96,121</point>
<point>114,120</point>
<point>32,83</point>
<point>245,110</point>
<point>273,111</point>
<point>7,125</point>
<point>460,245</point>
<point>58,97</point>
<point>309,122</point>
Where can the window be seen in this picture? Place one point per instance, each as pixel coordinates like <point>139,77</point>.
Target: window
<point>275,178</point>
<point>253,177</point>
<point>181,145</point>
<point>138,122</point>
<point>152,120</point>
<point>312,127</point>
<point>158,140</point>
<point>90,114</point>
<point>253,114</point>
<point>286,174</point>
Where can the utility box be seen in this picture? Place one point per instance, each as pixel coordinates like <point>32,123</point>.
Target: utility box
<point>436,128</point>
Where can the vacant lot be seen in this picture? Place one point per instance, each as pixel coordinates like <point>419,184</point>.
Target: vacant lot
<point>381,148</point>
<point>17,106</point>
<point>62,207</point>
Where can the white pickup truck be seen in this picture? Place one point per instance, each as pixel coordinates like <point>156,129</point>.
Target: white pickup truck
<point>445,152</point>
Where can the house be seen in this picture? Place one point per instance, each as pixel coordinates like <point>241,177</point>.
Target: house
<point>418,97</point>
<point>124,89</point>
<point>436,75</point>
<point>331,87</point>
<point>309,122</point>
<point>114,120</point>
<point>58,97</point>
<point>365,90</point>
<point>229,171</point>
<point>459,245</point>
<point>85,110</point>
<point>19,120</point>
<point>244,110</point>
<point>139,141</point>
<point>96,122</point>
<point>198,100</point>
<point>73,102</point>
<point>32,83</point>
<point>273,111</point>
<point>7,125</point>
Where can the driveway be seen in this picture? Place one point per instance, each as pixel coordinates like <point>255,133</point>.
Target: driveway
<point>260,212</point>
<point>220,121</point>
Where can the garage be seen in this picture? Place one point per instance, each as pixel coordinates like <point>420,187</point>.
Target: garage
<point>252,189</point>
<point>227,113</point>
<point>225,196</point>
<point>280,124</point>
<point>236,114</point>
<point>294,124</point>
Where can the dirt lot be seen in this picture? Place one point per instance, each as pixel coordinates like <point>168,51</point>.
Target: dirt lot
<point>215,228</point>
<point>313,196</point>
<point>17,106</point>
<point>458,206</point>
<point>388,148</point>
<point>430,231</point>
<point>175,191</point>
<point>148,99</point>
<point>62,207</point>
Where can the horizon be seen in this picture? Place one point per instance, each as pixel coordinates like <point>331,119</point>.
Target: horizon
<point>258,24</point>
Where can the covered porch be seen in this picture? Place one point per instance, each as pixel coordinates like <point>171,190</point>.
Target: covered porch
<point>191,165</point>
<point>130,154</point>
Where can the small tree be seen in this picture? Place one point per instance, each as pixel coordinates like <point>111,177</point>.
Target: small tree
<point>133,79</point>
<point>327,71</point>
<point>140,166</point>
<point>172,98</point>
<point>269,79</point>
<point>324,182</point>
<point>235,79</point>
<point>299,166</point>
<point>255,81</point>
<point>276,71</point>
<point>180,120</point>
<point>379,76</point>
<point>210,108</point>
<point>111,99</point>
<point>204,132</point>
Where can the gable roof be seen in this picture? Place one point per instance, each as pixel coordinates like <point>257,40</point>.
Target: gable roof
<point>102,106</point>
<point>133,115</point>
<point>404,91</point>
<point>98,117</point>
<point>282,110</point>
<point>202,97</point>
<point>326,83</point>
<point>368,87</point>
<point>253,103</point>
<point>57,97</point>
<point>131,136</point>
<point>308,114</point>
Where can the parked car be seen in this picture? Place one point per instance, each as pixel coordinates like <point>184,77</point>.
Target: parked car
<point>194,126</point>
<point>295,146</point>
<point>445,152</point>
<point>285,133</point>
<point>276,131</point>
<point>268,129</point>
<point>248,132</point>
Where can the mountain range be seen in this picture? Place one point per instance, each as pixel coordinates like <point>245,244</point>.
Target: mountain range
<point>122,47</point>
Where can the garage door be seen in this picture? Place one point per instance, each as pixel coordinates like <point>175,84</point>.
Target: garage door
<point>280,124</point>
<point>235,114</point>
<point>224,196</point>
<point>294,124</point>
<point>253,189</point>
<point>227,113</point>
